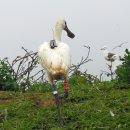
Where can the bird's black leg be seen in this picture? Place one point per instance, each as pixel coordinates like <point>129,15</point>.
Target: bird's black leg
<point>66,89</point>
<point>58,102</point>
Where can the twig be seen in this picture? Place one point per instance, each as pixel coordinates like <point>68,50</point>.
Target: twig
<point>83,61</point>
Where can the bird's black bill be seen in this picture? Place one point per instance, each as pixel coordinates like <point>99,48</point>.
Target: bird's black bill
<point>69,33</point>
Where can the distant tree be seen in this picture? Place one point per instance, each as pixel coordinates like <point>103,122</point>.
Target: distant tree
<point>123,71</point>
<point>7,82</point>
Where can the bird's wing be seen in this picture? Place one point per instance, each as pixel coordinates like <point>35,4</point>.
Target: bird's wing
<point>110,55</point>
<point>119,45</point>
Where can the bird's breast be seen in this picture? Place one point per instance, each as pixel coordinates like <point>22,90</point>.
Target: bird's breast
<point>55,60</point>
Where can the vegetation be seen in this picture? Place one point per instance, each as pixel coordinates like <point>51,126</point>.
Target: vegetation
<point>90,106</point>
<point>123,71</point>
<point>7,81</point>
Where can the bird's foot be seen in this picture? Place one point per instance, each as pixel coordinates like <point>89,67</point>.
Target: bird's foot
<point>64,95</point>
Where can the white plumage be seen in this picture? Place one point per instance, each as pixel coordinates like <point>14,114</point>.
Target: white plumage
<point>56,61</point>
<point>108,55</point>
<point>113,58</point>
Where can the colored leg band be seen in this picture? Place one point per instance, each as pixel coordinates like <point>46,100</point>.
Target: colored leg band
<point>66,86</point>
<point>54,89</point>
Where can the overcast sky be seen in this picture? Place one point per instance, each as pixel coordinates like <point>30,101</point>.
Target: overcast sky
<point>96,23</point>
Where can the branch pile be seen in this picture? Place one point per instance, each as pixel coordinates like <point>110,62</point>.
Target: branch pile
<point>25,69</point>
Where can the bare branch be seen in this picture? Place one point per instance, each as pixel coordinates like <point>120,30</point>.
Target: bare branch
<point>83,61</point>
<point>25,68</point>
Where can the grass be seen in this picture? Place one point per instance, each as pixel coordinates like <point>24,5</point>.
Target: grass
<point>90,106</point>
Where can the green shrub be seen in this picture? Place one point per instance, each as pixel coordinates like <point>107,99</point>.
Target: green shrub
<point>123,71</point>
<point>40,87</point>
<point>7,82</point>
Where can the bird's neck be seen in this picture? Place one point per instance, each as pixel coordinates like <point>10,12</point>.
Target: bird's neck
<point>105,52</point>
<point>57,34</point>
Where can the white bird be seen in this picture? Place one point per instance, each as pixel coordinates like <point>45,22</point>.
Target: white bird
<point>115,58</point>
<point>54,57</point>
<point>108,55</point>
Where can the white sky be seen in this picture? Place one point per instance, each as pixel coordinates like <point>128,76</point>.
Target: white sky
<point>96,23</point>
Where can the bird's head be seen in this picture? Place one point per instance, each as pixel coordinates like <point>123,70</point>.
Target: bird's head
<point>104,48</point>
<point>61,23</point>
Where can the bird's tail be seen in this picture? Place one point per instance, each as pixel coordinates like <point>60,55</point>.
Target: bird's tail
<point>121,59</point>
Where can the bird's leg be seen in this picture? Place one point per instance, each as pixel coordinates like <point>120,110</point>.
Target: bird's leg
<point>54,87</point>
<point>66,89</point>
<point>111,71</point>
<point>55,92</point>
<point>57,101</point>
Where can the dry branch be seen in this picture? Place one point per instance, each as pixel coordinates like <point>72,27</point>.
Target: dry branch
<point>25,68</point>
<point>75,68</point>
